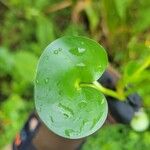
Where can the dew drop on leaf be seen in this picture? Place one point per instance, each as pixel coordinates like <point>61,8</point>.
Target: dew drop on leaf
<point>51,118</point>
<point>95,120</point>
<point>58,84</point>
<point>68,132</point>
<point>83,124</point>
<point>82,104</point>
<point>66,115</point>
<point>56,51</point>
<point>74,51</point>
<point>77,51</point>
<point>102,102</point>
<point>81,50</point>
<point>66,110</point>
<point>60,92</point>
<point>80,65</point>
<point>100,67</point>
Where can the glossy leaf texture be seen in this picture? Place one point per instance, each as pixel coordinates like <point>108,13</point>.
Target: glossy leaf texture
<point>66,108</point>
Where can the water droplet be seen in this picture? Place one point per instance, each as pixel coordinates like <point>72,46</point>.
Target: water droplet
<point>74,51</point>
<point>84,122</point>
<point>66,110</point>
<point>46,80</point>
<point>100,67</point>
<point>66,115</point>
<point>52,120</point>
<point>68,132</point>
<point>95,120</point>
<point>56,51</point>
<point>77,51</point>
<point>82,104</point>
<point>103,100</point>
<point>58,84</point>
<point>60,92</point>
<point>81,50</point>
<point>80,65</point>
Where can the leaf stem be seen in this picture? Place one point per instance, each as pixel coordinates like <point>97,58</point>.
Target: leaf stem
<point>123,82</point>
<point>140,69</point>
<point>96,85</point>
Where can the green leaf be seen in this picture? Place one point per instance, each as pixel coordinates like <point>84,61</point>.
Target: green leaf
<point>6,61</point>
<point>130,69</point>
<point>122,138</point>
<point>24,66</point>
<point>112,18</point>
<point>41,4</point>
<point>44,31</point>
<point>74,29</point>
<point>143,21</point>
<point>93,16</point>
<point>13,114</point>
<point>66,108</point>
<point>121,6</point>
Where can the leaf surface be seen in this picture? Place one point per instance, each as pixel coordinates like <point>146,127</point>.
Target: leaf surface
<point>66,108</point>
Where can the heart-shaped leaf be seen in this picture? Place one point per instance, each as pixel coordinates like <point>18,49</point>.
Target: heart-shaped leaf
<point>68,109</point>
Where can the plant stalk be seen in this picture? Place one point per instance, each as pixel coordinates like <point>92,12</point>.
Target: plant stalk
<point>96,85</point>
<point>142,68</point>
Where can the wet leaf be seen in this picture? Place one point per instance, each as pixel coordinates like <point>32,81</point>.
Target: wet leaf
<point>66,108</point>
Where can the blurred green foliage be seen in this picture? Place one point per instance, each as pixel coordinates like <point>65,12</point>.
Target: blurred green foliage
<point>117,137</point>
<point>12,115</point>
<point>26,27</point>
